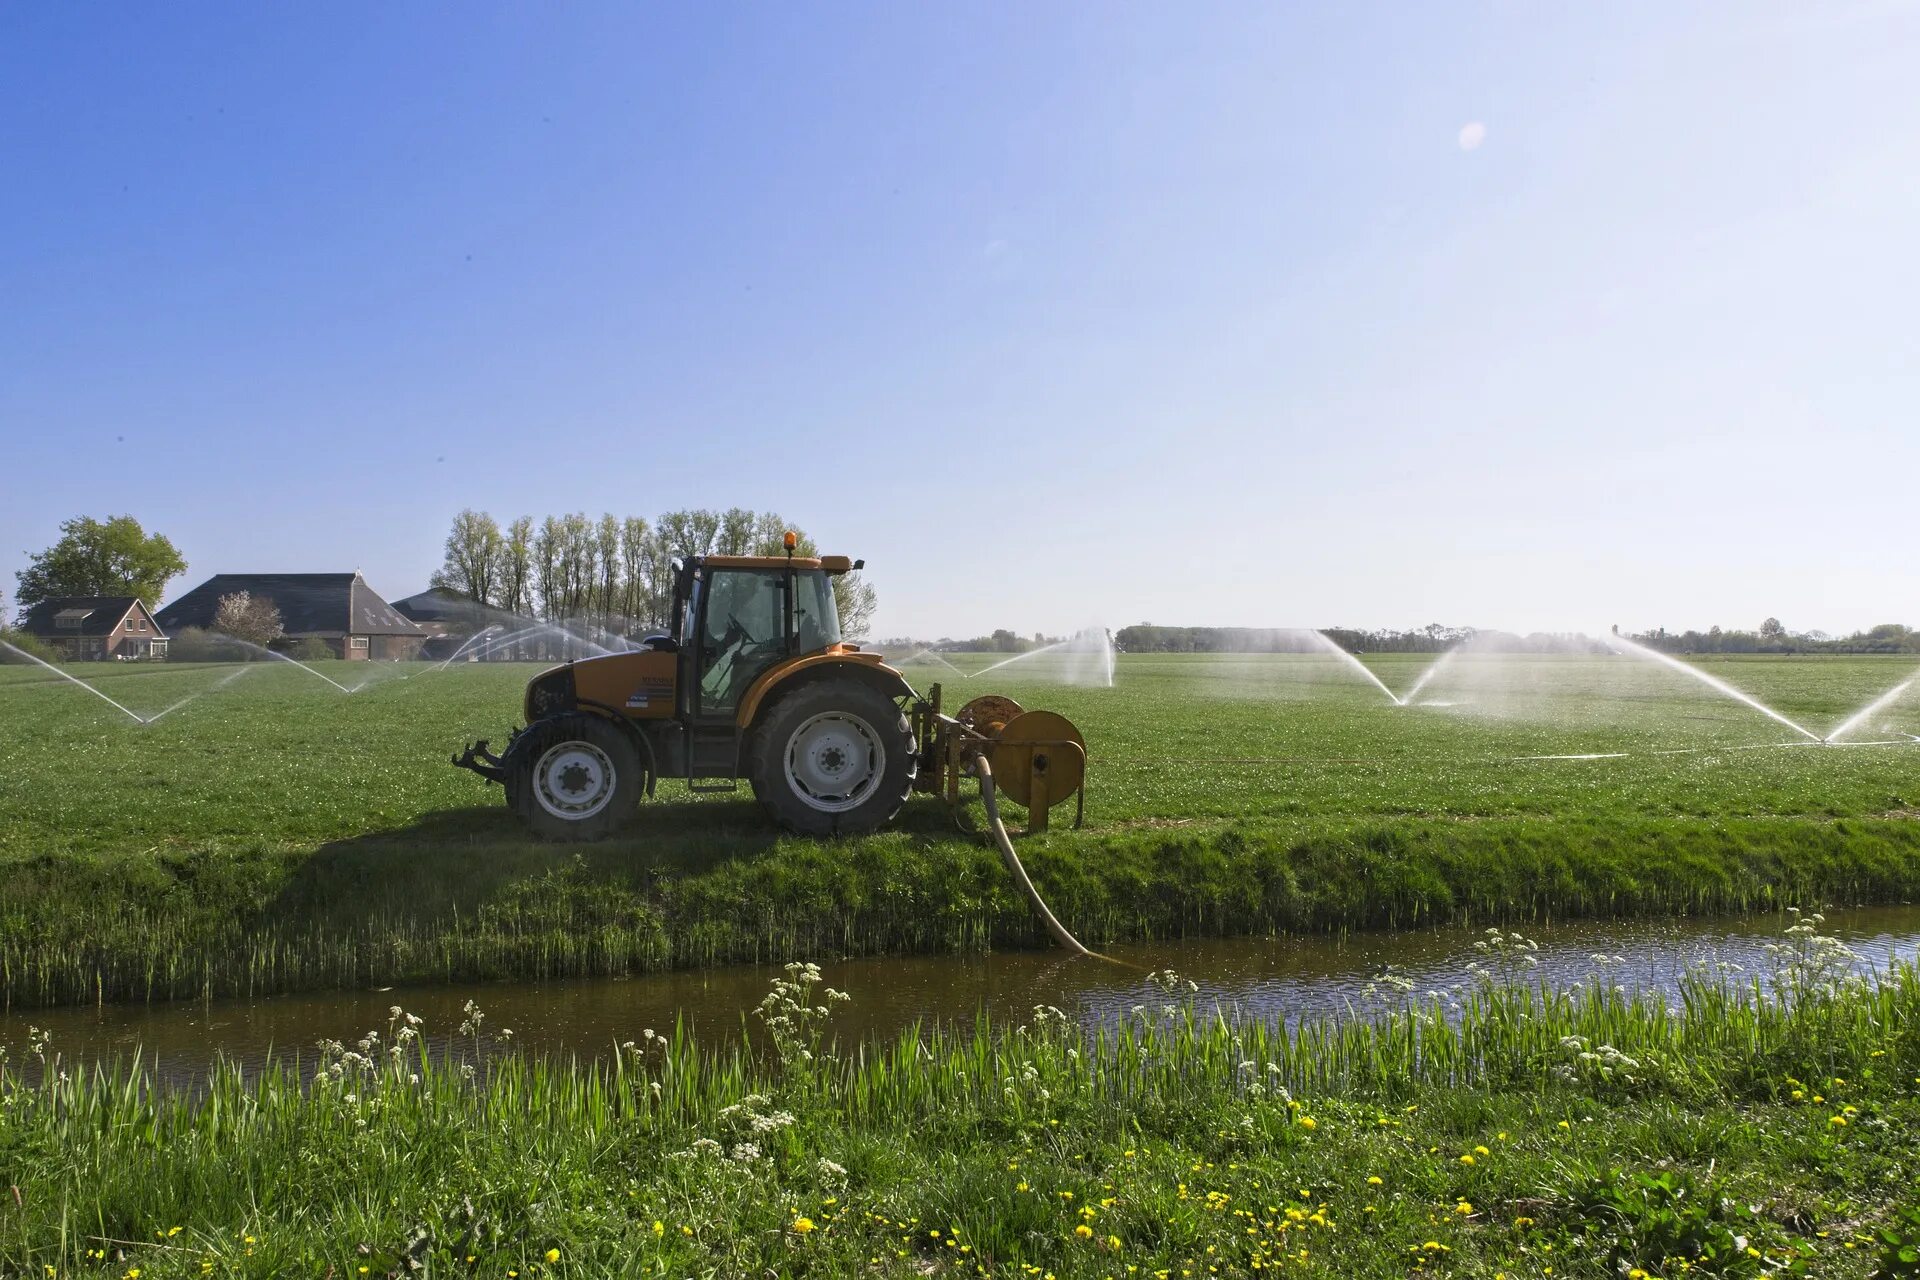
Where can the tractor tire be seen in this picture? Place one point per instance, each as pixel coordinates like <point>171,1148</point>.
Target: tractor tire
<point>833,757</point>
<point>578,777</point>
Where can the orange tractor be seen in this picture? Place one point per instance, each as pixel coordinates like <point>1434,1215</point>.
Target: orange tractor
<point>753,681</point>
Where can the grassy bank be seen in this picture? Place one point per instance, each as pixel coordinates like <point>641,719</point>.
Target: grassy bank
<point>1527,1134</point>
<point>171,925</point>
<point>273,834</point>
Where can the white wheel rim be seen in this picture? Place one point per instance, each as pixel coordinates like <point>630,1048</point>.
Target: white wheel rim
<point>835,762</point>
<point>573,780</point>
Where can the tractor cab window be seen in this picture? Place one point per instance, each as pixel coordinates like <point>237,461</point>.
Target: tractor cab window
<point>745,633</point>
<point>816,618</point>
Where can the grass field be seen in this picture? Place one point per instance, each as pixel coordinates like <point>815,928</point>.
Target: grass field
<point>275,833</point>
<point>1532,1134</point>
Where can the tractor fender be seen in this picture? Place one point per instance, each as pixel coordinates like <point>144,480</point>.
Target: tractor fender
<point>778,679</point>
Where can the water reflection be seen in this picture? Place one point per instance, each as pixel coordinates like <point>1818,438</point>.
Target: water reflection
<point>1278,978</point>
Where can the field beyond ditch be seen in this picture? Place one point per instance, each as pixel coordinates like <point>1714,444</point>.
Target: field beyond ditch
<point>275,834</point>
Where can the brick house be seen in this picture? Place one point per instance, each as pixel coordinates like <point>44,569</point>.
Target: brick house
<point>97,628</point>
<point>338,609</point>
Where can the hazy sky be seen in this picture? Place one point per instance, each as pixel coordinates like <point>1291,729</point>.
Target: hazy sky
<point>1536,316</point>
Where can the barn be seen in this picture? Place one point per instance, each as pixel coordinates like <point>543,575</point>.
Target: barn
<point>338,609</point>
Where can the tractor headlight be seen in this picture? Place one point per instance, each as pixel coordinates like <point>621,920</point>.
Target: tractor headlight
<point>550,693</point>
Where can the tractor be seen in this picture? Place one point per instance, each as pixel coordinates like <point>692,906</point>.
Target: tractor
<point>753,681</point>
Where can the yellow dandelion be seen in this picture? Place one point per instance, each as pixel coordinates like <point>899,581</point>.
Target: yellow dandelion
<point>553,1256</point>
<point>802,1225</point>
<point>1084,1231</point>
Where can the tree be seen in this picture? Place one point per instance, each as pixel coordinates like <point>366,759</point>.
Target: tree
<point>636,562</point>
<point>516,583</point>
<point>606,541</point>
<point>1772,629</point>
<point>245,617</point>
<point>475,557</point>
<point>114,557</point>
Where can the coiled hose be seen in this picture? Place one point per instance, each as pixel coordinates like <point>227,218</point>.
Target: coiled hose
<point>990,799</point>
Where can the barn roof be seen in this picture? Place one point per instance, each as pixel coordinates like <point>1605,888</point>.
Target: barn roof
<point>311,604</point>
<point>443,604</point>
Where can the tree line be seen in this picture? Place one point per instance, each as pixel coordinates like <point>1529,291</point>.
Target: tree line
<point>1145,637</point>
<point>1772,637</point>
<point>614,574</point>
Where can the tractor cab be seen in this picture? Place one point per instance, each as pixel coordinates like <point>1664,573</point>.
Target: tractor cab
<point>736,617</point>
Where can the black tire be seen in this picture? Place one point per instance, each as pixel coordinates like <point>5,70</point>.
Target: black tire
<point>852,769</point>
<point>575,777</point>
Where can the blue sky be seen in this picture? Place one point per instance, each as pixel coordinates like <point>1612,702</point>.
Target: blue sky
<point>1056,314</point>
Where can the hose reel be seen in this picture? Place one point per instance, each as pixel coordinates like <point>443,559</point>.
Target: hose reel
<point>1038,759</point>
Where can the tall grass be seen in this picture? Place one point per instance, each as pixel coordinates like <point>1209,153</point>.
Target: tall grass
<point>1519,1104</point>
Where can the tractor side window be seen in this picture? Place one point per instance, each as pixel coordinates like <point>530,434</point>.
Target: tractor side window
<point>816,618</point>
<point>745,634</point>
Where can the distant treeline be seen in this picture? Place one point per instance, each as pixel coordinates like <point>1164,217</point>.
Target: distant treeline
<point>1145,637</point>
<point>1772,637</point>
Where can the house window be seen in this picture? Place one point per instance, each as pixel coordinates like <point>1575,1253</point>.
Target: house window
<point>358,642</point>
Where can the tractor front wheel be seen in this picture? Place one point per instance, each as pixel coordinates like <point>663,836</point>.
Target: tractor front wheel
<point>834,757</point>
<point>577,777</point>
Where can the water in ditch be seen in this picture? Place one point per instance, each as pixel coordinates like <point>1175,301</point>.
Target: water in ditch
<point>1278,978</point>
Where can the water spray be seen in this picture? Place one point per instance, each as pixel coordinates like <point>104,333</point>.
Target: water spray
<point>1082,643</point>
<point>1434,668</point>
<point>1873,708</point>
<point>73,679</point>
<point>217,685</point>
<point>1624,645</point>
<point>1327,642</point>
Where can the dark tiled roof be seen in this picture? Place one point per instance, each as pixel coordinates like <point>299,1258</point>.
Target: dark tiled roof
<point>99,615</point>
<point>442,604</point>
<point>310,604</point>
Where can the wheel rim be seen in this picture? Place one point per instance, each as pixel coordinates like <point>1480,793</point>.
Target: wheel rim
<point>573,781</point>
<point>835,762</point>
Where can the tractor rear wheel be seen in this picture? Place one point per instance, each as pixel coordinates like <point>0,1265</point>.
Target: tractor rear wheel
<point>833,757</point>
<point>577,777</point>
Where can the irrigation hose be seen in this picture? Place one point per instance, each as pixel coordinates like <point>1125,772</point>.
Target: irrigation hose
<point>990,798</point>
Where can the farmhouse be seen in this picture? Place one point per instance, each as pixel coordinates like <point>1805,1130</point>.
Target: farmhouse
<point>339,609</point>
<point>97,628</point>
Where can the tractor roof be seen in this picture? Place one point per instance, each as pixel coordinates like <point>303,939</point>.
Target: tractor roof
<point>832,564</point>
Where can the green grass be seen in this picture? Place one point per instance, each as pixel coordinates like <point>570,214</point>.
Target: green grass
<point>277,835</point>
<point>1535,1133</point>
